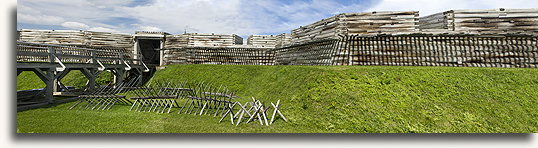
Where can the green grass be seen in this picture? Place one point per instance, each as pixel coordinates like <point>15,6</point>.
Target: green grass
<point>332,99</point>
<point>29,80</point>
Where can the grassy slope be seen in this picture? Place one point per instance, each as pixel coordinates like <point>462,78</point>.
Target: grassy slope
<point>334,99</point>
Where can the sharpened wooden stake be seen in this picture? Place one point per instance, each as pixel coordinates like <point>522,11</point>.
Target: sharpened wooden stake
<point>202,111</point>
<point>240,117</point>
<point>264,116</point>
<point>134,104</point>
<point>230,111</point>
<point>277,111</point>
<point>256,112</point>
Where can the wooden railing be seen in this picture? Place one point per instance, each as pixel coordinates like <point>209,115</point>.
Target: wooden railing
<point>48,53</point>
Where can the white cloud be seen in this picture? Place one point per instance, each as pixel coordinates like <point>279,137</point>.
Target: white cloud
<point>87,12</point>
<point>242,17</point>
<point>140,27</point>
<point>427,7</point>
<point>267,16</point>
<point>33,16</point>
<point>39,19</point>
<point>201,15</point>
<point>75,25</point>
<point>103,29</point>
<point>149,28</point>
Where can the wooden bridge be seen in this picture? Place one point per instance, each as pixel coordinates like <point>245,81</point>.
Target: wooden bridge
<point>51,63</point>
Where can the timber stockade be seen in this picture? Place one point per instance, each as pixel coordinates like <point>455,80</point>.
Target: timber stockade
<point>500,37</point>
<point>469,38</point>
<point>416,50</point>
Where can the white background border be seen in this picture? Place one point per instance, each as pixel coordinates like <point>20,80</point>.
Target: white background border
<point>9,138</point>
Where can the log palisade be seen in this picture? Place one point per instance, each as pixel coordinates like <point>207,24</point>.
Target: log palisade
<point>483,21</point>
<point>476,38</point>
<point>366,23</point>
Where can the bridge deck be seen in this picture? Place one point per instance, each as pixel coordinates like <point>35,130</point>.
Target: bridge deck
<point>52,62</point>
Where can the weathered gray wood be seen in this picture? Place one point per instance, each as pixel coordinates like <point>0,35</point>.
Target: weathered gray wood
<point>219,55</point>
<point>202,111</point>
<point>276,107</point>
<point>72,37</point>
<point>229,111</point>
<point>255,112</point>
<point>358,23</point>
<point>242,110</point>
<point>264,116</point>
<point>484,21</point>
<point>262,40</point>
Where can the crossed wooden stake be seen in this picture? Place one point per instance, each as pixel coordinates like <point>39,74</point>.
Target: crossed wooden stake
<point>277,106</point>
<point>105,97</point>
<point>256,111</point>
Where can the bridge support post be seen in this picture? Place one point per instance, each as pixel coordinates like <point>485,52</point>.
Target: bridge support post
<point>47,76</point>
<point>119,75</point>
<point>58,78</point>
<point>91,75</point>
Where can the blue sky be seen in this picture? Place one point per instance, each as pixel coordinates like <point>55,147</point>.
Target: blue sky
<point>242,17</point>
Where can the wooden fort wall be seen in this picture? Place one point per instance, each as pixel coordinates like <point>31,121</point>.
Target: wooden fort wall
<point>283,40</point>
<point>112,42</point>
<point>416,50</point>
<point>367,23</point>
<point>219,55</point>
<point>483,21</point>
<point>262,40</point>
<point>475,38</point>
<point>202,40</point>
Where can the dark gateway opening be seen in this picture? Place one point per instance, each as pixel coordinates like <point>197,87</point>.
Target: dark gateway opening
<point>150,50</point>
